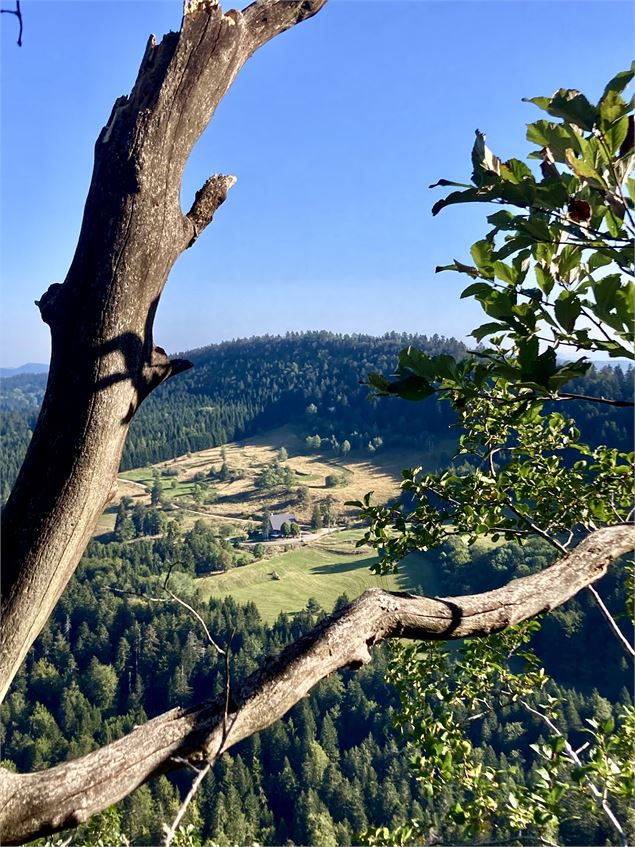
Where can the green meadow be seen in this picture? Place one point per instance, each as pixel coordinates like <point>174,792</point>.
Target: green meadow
<point>325,570</point>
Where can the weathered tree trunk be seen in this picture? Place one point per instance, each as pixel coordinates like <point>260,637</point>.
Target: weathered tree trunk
<point>104,361</point>
<point>36,804</point>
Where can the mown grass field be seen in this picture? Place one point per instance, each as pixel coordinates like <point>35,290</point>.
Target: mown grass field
<point>322,568</point>
<point>328,568</point>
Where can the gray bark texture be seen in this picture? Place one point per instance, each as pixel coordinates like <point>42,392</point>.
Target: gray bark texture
<point>37,804</point>
<point>104,363</point>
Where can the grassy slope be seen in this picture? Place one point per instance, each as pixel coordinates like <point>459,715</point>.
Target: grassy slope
<point>325,570</point>
<point>240,500</point>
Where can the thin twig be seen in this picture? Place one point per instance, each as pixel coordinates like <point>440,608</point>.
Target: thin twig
<point>137,594</point>
<point>622,404</point>
<point>618,185</point>
<point>535,528</point>
<point>227,691</point>
<point>176,599</point>
<point>18,13</point>
<point>598,324</point>
<point>611,622</point>
<point>554,398</point>
<point>179,760</point>
<point>201,773</point>
<point>573,757</point>
<point>171,831</point>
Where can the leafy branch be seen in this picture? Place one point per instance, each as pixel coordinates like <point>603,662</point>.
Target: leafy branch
<point>553,275</point>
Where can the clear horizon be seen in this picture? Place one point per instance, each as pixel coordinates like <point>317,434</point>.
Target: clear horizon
<point>334,130</point>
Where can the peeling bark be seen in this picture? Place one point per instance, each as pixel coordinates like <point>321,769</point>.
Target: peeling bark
<point>33,805</point>
<point>104,361</point>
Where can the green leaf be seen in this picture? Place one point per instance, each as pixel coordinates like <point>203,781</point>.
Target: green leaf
<point>567,309</point>
<point>542,370</point>
<point>598,260</point>
<point>624,302</point>
<point>378,382</point>
<point>520,194</point>
<point>481,252</point>
<point>498,305</point>
<point>528,351</point>
<point>613,222</point>
<point>448,182</point>
<point>607,726</point>
<point>619,81</point>
<point>532,293</point>
<point>569,259</point>
<point>541,102</point>
<point>411,388</point>
<point>555,137</point>
<point>537,228</point>
<point>470,270</point>
<point>605,289</point>
<point>513,245</point>
<point>467,196</point>
<point>574,107</point>
<point>477,289</point>
<point>508,274</point>
<point>488,329</point>
<point>578,774</point>
<point>565,373</point>
<point>502,220</point>
<point>515,171</point>
<point>445,366</point>
<point>484,162</point>
<point>431,368</point>
<point>543,773</point>
<point>616,134</point>
<point>553,193</point>
<point>544,278</point>
<point>585,169</point>
<point>558,743</point>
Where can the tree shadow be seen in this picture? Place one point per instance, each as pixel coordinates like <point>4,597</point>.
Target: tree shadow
<point>342,567</point>
<point>145,365</point>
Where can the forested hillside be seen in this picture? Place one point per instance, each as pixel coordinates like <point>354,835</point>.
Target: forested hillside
<point>314,380</point>
<point>334,767</point>
<point>107,660</point>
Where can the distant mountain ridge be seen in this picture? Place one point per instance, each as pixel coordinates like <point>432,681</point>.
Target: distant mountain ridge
<point>28,368</point>
<point>314,381</point>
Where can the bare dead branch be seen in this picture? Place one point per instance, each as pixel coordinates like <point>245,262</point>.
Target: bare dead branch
<point>193,612</point>
<point>573,756</point>
<point>620,404</point>
<point>104,361</point>
<point>207,200</point>
<point>37,804</point>
<point>617,632</point>
<point>170,831</point>
<point>18,13</point>
<point>267,18</point>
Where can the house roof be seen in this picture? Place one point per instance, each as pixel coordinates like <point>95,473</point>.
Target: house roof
<point>276,521</point>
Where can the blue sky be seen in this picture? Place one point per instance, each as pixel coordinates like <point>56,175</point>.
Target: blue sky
<point>334,130</point>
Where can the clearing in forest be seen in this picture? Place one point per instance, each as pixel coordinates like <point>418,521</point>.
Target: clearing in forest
<point>225,485</point>
<point>323,571</point>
